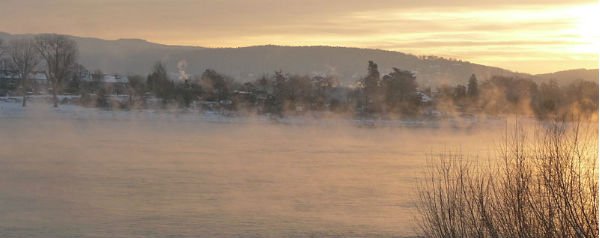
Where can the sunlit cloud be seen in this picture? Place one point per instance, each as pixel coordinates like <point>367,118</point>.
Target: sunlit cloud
<point>509,34</point>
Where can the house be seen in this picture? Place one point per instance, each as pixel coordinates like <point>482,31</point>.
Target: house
<point>39,78</point>
<point>8,82</point>
<point>83,74</point>
<point>114,83</point>
<point>115,79</point>
<point>110,79</point>
<point>424,98</point>
<point>9,79</point>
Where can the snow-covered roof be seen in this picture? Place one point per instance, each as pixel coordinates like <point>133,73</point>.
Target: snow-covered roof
<point>424,97</point>
<point>11,74</point>
<point>39,76</point>
<point>115,78</point>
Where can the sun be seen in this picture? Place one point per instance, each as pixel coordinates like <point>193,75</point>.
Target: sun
<point>587,25</point>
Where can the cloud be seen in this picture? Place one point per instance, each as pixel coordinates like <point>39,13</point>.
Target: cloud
<point>453,28</point>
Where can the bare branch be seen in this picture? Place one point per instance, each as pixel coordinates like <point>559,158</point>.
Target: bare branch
<point>60,55</point>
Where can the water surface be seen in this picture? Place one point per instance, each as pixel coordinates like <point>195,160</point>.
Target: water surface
<point>166,177</point>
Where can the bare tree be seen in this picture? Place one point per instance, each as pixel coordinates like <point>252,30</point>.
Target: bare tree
<point>547,187</point>
<point>60,54</point>
<point>24,57</point>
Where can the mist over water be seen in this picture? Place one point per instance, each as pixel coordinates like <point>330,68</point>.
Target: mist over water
<point>136,176</point>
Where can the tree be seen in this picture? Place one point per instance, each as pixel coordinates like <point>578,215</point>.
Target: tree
<point>275,101</point>
<point>216,86</point>
<point>159,83</point>
<point>60,55</point>
<point>460,92</point>
<point>546,186</point>
<point>548,99</point>
<point>75,84</point>
<point>135,87</point>
<point>370,85</point>
<point>507,95</point>
<point>472,87</point>
<point>264,84</point>
<point>371,82</point>
<point>399,87</point>
<point>582,96</point>
<point>300,88</point>
<point>24,57</point>
<point>323,87</point>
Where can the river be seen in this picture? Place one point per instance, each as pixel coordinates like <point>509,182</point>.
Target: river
<point>70,176</point>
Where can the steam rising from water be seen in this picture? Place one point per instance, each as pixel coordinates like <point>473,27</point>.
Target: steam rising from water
<point>105,174</point>
<point>181,67</point>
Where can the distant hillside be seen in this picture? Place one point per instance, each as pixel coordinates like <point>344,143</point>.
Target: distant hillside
<point>567,76</point>
<point>133,56</point>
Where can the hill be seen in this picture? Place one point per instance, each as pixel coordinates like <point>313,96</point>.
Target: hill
<point>568,76</point>
<point>134,56</point>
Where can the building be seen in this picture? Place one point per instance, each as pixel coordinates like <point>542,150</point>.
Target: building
<point>115,79</point>
<point>10,80</point>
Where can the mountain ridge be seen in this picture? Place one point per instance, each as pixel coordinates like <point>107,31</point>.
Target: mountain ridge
<point>136,56</point>
<point>567,76</point>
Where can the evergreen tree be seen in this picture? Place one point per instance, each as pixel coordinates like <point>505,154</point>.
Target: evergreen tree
<point>159,83</point>
<point>473,87</point>
<point>399,90</point>
<point>370,87</point>
<point>371,82</point>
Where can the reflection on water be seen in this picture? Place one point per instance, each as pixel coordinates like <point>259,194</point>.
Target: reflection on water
<point>126,178</point>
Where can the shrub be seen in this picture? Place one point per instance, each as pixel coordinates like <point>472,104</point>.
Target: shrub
<point>545,187</point>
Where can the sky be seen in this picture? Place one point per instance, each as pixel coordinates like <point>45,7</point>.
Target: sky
<point>531,36</point>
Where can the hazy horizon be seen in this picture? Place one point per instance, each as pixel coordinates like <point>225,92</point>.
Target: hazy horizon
<point>525,36</point>
<point>283,45</point>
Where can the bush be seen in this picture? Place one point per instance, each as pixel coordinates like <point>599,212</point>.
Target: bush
<point>546,187</point>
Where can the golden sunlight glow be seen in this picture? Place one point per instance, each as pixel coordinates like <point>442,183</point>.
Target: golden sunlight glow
<point>587,28</point>
<point>524,35</point>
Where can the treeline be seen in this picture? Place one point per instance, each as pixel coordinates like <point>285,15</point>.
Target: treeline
<point>506,95</point>
<point>395,94</point>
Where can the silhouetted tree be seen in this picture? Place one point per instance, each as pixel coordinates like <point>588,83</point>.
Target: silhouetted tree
<point>507,95</point>
<point>473,87</point>
<point>582,97</point>
<point>546,186</point>
<point>400,88</point>
<point>275,102</point>
<point>60,55</point>
<point>24,58</point>
<point>216,87</point>
<point>370,87</point>
<point>159,83</point>
<point>548,99</point>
